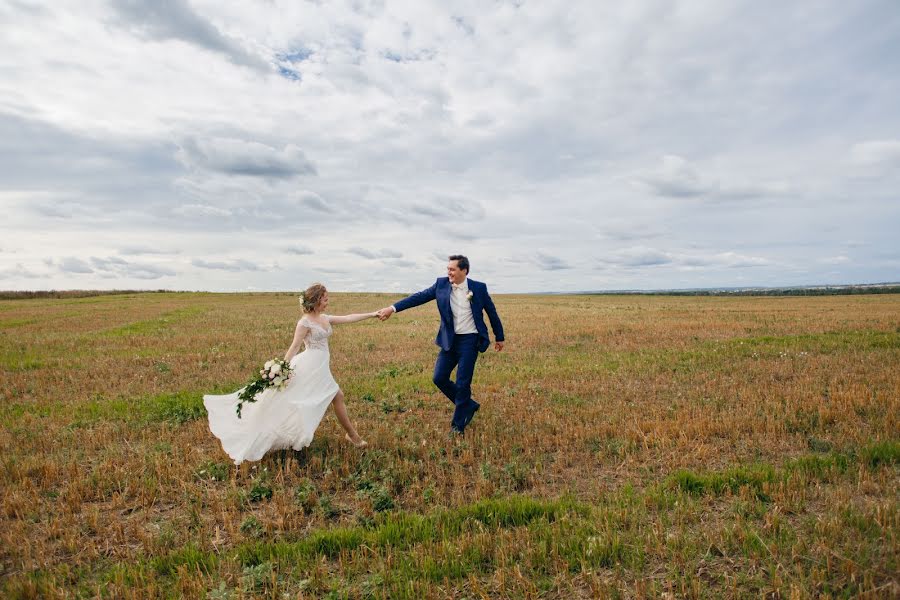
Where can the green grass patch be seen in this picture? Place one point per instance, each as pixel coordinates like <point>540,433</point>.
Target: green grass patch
<point>176,407</point>
<point>881,453</point>
<point>728,481</point>
<point>12,323</point>
<point>157,325</point>
<point>190,557</point>
<point>19,359</point>
<point>820,343</point>
<point>757,477</point>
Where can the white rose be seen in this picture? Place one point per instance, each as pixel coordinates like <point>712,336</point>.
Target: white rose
<point>269,364</point>
<point>277,381</point>
<point>276,368</point>
<point>271,375</point>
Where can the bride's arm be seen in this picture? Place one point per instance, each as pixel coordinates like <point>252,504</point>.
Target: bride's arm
<point>336,319</point>
<point>299,334</point>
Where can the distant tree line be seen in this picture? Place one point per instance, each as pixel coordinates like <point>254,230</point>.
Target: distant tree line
<point>813,291</point>
<point>27,295</point>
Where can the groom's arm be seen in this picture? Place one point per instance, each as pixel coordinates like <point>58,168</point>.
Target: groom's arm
<point>494,318</point>
<point>408,302</point>
<point>416,299</point>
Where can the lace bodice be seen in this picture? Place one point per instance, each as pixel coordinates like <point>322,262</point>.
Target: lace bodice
<point>317,336</point>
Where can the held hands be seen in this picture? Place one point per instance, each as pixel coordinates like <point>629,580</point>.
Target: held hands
<point>385,313</point>
<point>498,346</point>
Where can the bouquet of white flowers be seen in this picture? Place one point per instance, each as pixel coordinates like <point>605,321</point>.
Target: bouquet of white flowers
<point>275,373</point>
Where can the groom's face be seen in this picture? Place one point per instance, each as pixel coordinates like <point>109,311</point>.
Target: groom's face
<point>455,274</point>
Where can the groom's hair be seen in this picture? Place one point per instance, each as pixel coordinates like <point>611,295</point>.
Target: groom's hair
<point>461,261</point>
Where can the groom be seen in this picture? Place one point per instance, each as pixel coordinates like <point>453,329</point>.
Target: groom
<point>462,334</point>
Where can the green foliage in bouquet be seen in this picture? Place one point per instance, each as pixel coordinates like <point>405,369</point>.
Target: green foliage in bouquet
<point>275,373</point>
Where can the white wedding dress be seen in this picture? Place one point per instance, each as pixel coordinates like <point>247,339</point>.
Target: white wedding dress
<point>279,419</point>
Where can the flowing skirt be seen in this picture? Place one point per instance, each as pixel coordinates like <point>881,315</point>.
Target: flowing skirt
<point>279,419</point>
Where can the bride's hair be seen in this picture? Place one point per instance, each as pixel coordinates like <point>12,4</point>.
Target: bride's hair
<point>310,298</point>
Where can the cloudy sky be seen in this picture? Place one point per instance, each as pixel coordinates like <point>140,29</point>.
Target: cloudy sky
<point>226,146</point>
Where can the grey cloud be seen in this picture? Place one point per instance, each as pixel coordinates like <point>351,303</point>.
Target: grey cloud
<point>678,178</point>
<point>74,265</point>
<point>201,210</point>
<point>444,207</point>
<point>424,54</point>
<point>177,20</point>
<point>314,201</point>
<point>82,173</point>
<point>115,266</point>
<point>232,265</point>
<point>107,264</point>
<point>19,272</point>
<point>401,263</point>
<point>60,209</point>
<point>625,232</point>
<point>547,262</point>
<point>383,253</point>
<point>298,250</point>
<point>233,156</point>
<point>362,252</point>
<point>141,250</point>
<point>637,256</point>
<point>463,24</point>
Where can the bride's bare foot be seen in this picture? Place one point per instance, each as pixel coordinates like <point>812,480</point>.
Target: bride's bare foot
<point>358,442</point>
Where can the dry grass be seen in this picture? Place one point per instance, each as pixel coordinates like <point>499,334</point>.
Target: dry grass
<point>627,446</point>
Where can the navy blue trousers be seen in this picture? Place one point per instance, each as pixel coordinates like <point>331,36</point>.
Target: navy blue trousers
<point>462,356</point>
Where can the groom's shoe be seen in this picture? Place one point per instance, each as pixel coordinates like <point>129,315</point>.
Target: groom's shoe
<point>472,414</point>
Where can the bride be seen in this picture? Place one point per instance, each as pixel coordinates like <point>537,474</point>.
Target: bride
<point>288,418</point>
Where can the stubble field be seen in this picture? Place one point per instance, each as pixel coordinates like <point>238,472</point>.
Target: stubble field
<point>627,446</point>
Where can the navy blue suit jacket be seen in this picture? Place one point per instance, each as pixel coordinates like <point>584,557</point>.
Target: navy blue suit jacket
<point>481,302</point>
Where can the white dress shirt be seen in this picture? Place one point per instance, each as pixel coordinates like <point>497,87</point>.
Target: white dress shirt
<point>463,322</point>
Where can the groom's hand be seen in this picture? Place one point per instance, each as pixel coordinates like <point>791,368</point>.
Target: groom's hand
<point>385,313</point>
<point>498,346</point>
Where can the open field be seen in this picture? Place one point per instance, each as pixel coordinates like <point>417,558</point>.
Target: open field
<point>627,446</point>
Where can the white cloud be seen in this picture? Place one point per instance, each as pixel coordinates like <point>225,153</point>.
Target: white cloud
<point>230,265</point>
<point>876,153</point>
<point>201,210</point>
<point>643,257</point>
<point>835,260</point>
